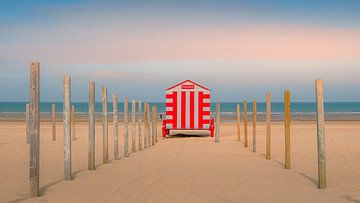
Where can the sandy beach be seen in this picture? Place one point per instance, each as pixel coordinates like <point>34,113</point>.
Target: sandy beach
<point>186,169</point>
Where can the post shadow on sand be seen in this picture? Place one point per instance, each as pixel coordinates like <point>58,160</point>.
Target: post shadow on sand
<point>43,190</point>
<point>182,135</point>
<point>309,178</point>
<point>350,199</point>
<point>280,163</point>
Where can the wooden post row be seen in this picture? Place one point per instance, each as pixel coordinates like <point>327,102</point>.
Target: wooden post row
<point>133,126</point>
<point>139,126</point>
<point>245,125</point>
<point>73,122</point>
<point>53,119</point>
<point>254,126</point>
<point>287,119</point>
<point>34,128</point>
<point>320,133</point>
<point>105,125</point>
<point>67,127</point>
<point>268,126</point>
<point>217,127</point>
<point>238,121</point>
<point>115,128</point>
<point>91,154</point>
<point>126,128</point>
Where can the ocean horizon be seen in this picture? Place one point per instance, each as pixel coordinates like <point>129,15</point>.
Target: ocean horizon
<point>349,111</point>
<point>226,107</point>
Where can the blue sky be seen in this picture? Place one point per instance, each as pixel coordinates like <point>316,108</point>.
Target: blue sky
<point>239,49</point>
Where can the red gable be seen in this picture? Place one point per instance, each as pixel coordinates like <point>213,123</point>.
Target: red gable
<point>187,86</point>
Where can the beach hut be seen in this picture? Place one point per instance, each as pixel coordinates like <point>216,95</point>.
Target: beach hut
<point>187,108</point>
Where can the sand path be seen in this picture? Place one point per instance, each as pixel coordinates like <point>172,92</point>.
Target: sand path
<point>195,169</point>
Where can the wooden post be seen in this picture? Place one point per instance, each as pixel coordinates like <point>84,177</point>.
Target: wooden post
<point>67,127</point>
<point>320,133</point>
<point>153,120</point>
<point>34,128</point>
<point>115,127</point>
<point>73,122</point>
<point>140,135</point>
<point>155,125</point>
<point>27,119</point>
<point>217,127</point>
<point>238,121</point>
<point>245,125</point>
<point>268,126</point>
<point>126,128</point>
<point>105,125</point>
<point>148,125</point>
<point>133,124</point>
<point>254,126</point>
<point>145,125</point>
<point>53,118</point>
<point>287,128</point>
<point>91,154</point>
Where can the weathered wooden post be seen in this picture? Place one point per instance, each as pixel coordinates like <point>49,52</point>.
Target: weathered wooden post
<point>53,119</point>
<point>148,125</point>
<point>153,120</point>
<point>126,128</point>
<point>145,125</point>
<point>34,128</point>
<point>133,125</point>
<point>67,127</point>
<point>238,121</point>
<point>254,126</point>
<point>155,125</point>
<point>73,122</point>
<point>91,154</point>
<point>140,135</point>
<point>245,125</point>
<point>320,133</point>
<point>268,125</point>
<point>217,127</point>
<point>105,125</point>
<point>115,127</point>
<point>27,119</point>
<point>287,128</point>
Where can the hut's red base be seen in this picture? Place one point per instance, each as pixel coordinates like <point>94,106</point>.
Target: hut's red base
<point>167,131</point>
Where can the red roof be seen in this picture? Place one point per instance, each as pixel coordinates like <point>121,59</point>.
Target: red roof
<point>185,82</point>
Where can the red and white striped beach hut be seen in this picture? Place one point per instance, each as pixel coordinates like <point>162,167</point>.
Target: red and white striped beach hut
<point>187,108</point>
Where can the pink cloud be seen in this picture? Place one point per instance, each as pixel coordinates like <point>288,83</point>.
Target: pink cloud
<point>171,42</point>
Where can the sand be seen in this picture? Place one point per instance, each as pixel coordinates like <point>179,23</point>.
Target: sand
<point>187,169</point>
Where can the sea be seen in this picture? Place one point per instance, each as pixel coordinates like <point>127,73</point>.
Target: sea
<point>347,111</point>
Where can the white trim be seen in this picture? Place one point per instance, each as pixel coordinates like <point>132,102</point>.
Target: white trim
<point>178,109</point>
<point>206,117</point>
<point>187,112</point>
<point>196,108</point>
<point>206,126</point>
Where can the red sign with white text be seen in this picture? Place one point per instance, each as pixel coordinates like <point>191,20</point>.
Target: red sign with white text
<point>187,86</point>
